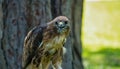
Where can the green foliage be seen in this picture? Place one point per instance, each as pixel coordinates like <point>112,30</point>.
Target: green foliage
<point>100,35</point>
<point>105,58</point>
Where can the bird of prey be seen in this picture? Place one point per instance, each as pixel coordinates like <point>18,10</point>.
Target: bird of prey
<point>44,45</point>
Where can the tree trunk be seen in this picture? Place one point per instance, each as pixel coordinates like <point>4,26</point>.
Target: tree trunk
<point>2,60</point>
<point>17,17</point>
<point>76,32</point>
<point>14,30</point>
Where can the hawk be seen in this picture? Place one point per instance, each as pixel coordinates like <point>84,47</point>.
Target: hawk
<point>44,45</point>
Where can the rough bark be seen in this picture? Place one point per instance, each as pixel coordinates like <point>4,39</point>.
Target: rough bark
<point>17,17</point>
<point>2,60</point>
<point>77,7</point>
<point>14,25</point>
<point>37,12</point>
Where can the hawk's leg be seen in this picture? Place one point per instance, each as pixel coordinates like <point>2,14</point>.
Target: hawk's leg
<point>57,62</point>
<point>44,64</point>
<point>57,65</point>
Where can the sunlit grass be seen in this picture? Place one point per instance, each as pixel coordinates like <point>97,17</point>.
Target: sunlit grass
<point>101,35</point>
<point>105,58</point>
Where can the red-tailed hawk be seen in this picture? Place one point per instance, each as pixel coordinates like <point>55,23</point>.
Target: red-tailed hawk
<point>44,45</point>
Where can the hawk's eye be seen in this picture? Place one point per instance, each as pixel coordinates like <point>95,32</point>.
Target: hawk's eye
<point>66,22</point>
<point>56,23</point>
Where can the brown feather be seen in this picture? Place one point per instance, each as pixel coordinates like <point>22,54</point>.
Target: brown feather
<point>44,44</point>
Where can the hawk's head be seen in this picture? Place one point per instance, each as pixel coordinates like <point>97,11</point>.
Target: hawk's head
<point>61,23</point>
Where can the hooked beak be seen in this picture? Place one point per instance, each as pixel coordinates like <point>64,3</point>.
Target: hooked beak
<point>61,25</point>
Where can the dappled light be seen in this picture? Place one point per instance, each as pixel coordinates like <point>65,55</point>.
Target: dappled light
<point>100,34</point>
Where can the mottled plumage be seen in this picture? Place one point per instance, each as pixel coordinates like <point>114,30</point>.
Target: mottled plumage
<point>43,45</point>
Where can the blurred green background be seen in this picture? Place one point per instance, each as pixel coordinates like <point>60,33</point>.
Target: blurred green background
<point>101,34</point>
